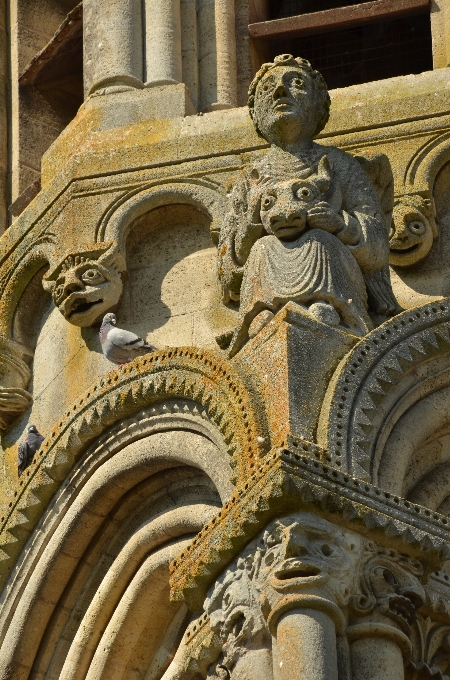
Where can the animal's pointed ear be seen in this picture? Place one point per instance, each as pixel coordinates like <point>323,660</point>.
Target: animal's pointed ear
<point>323,180</point>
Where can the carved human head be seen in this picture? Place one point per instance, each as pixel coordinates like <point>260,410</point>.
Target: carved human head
<point>390,585</point>
<point>284,205</point>
<point>413,230</point>
<point>306,552</point>
<point>87,283</point>
<point>288,100</point>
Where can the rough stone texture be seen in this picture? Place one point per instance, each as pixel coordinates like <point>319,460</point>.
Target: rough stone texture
<point>311,439</point>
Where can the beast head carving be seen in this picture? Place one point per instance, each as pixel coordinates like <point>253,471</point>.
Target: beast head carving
<point>284,205</point>
<point>390,587</point>
<point>88,283</point>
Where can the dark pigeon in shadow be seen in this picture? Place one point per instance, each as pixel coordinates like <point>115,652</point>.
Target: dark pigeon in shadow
<point>28,448</point>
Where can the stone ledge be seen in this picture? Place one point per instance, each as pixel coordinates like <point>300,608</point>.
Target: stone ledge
<point>288,481</point>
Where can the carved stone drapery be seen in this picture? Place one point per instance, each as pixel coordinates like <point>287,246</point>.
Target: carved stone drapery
<point>305,224</point>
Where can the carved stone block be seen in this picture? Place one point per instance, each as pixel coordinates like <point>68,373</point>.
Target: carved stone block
<point>291,362</point>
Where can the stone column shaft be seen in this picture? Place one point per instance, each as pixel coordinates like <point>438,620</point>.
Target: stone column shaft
<point>112,43</point>
<point>189,51</point>
<point>163,42</point>
<point>217,63</point>
<point>377,652</point>
<point>306,646</point>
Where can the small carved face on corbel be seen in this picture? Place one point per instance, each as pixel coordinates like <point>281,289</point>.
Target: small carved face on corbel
<point>86,284</point>
<point>305,553</point>
<point>390,587</point>
<point>413,230</point>
<point>284,205</point>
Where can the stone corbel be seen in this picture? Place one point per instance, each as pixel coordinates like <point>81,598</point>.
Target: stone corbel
<point>14,378</point>
<point>87,283</point>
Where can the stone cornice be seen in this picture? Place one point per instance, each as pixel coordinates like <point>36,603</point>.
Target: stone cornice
<point>291,480</point>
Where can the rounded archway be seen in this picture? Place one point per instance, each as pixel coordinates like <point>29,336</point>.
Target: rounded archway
<point>90,595</point>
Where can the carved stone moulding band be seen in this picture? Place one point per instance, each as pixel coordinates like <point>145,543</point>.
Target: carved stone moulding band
<point>186,372</point>
<point>375,375</point>
<point>201,193</point>
<point>290,481</point>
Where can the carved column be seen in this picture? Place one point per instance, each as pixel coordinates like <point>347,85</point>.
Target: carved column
<point>217,59</point>
<point>383,614</point>
<point>377,652</point>
<point>305,640</point>
<point>163,42</point>
<point>112,43</point>
<point>189,51</point>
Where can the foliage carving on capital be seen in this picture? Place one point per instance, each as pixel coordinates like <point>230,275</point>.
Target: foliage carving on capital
<point>87,283</point>
<point>390,588</point>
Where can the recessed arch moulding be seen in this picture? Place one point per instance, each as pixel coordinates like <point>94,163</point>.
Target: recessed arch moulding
<point>87,280</point>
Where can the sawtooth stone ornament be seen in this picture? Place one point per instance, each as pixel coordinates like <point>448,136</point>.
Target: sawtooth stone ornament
<point>305,223</point>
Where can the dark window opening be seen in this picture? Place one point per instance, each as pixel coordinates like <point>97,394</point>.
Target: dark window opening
<point>288,8</point>
<point>50,94</point>
<point>365,53</point>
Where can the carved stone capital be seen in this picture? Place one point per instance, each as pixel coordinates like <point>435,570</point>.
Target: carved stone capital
<point>390,589</point>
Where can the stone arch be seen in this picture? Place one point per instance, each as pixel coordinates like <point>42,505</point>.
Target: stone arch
<point>395,367</point>
<point>36,257</point>
<point>172,293</point>
<point>213,389</point>
<point>125,510</point>
<point>201,193</point>
<point>425,165</point>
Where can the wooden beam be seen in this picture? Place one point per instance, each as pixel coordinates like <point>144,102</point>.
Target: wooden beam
<point>337,19</point>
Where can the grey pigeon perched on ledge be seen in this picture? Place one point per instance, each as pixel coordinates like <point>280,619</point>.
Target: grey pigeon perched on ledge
<point>28,448</point>
<point>121,346</point>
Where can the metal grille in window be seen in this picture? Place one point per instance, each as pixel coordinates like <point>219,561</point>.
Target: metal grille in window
<point>365,53</point>
<point>289,8</point>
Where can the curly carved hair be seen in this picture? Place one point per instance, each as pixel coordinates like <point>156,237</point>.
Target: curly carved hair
<point>305,67</point>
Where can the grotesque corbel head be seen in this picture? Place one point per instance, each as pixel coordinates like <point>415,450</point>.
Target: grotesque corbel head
<point>413,230</point>
<point>390,585</point>
<point>304,553</point>
<point>88,283</point>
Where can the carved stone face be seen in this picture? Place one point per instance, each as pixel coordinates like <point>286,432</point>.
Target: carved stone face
<point>85,292</point>
<point>391,588</point>
<point>309,553</point>
<point>86,285</point>
<point>411,235</point>
<point>284,205</point>
<point>285,102</point>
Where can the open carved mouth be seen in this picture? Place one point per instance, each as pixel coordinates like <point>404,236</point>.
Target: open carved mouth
<point>303,571</point>
<point>79,306</point>
<point>403,608</point>
<point>403,251</point>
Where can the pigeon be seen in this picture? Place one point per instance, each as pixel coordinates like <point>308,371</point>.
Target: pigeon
<point>120,346</point>
<point>28,448</point>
